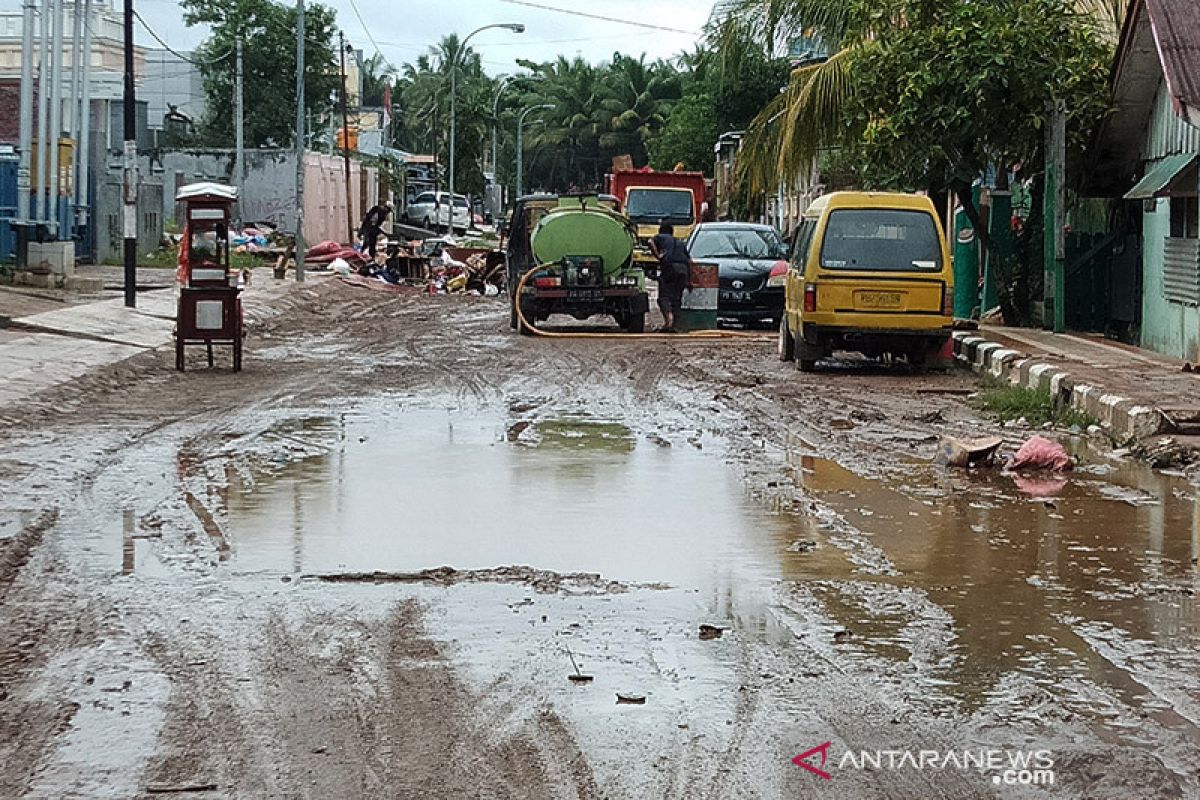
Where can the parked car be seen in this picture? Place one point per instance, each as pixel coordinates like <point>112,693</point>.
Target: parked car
<point>870,273</point>
<point>430,210</point>
<point>752,260</point>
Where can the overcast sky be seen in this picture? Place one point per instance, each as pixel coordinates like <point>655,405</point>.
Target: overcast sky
<point>405,28</point>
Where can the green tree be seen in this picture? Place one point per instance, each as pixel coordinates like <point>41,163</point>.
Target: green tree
<point>423,94</point>
<point>689,135</point>
<point>268,33</point>
<point>637,98</point>
<point>377,75</point>
<point>563,149</point>
<point>962,89</point>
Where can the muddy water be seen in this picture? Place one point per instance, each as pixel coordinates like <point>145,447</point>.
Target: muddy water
<point>570,493</point>
<point>974,587</point>
<point>1071,580</point>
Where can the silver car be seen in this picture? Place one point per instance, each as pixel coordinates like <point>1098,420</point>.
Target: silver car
<point>431,211</point>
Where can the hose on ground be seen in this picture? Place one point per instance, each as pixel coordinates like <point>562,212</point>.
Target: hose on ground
<point>711,335</point>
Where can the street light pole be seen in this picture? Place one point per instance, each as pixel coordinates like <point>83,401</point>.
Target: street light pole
<point>496,117</point>
<point>521,147</point>
<point>515,27</point>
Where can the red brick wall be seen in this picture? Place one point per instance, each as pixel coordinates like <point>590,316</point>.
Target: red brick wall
<point>10,109</point>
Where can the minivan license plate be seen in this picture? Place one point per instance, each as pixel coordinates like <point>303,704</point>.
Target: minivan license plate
<point>879,299</point>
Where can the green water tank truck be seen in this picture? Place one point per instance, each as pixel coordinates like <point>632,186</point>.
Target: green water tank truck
<point>584,249</point>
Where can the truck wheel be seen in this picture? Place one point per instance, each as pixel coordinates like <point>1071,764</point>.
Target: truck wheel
<point>529,313</point>
<point>787,342</point>
<point>635,323</point>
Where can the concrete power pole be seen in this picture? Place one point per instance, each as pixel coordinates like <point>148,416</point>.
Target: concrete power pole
<point>43,136</point>
<point>239,121</point>
<point>56,108</point>
<point>300,141</point>
<point>131,177</point>
<point>24,185</point>
<point>82,181</point>
<point>73,102</point>
<point>346,142</point>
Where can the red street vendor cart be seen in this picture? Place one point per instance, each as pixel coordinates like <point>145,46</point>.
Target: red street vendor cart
<point>210,306</point>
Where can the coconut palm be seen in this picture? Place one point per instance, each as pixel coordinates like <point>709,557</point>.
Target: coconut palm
<point>637,98</point>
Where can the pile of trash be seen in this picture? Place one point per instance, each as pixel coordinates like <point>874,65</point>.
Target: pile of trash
<point>482,275</point>
<point>1039,453</point>
<point>260,237</point>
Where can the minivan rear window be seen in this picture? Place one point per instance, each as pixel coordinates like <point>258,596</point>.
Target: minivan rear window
<point>885,240</point>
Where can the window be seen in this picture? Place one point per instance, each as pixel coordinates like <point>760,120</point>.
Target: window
<point>803,242</point>
<point>424,199</point>
<point>650,206</point>
<point>1185,217</point>
<point>746,243</point>
<point>884,240</point>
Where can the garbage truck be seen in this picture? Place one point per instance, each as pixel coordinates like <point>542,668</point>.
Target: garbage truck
<point>584,249</point>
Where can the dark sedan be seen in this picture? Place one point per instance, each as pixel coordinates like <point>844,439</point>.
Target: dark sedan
<point>753,268</point>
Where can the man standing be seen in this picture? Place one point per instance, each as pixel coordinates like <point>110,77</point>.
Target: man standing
<point>372,225</point>
<point>674,271</point>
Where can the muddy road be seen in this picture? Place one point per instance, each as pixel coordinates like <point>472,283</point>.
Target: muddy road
<point>371,565</point>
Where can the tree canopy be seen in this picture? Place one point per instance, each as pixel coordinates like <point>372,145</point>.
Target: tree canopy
<point>268,31</point>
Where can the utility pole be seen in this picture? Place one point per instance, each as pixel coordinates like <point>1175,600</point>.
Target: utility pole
<point>73,103</point>
<point>82,180</point>
<point>1054,212</point>
<point>346,142</point>
<point>24,185</point>
<point>300,141</point>
<point>56,59</point>
<point>239,120</point>
<point>43,134</point>
<point>131,177</point>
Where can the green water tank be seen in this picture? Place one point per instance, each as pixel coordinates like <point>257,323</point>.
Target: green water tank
<point>579,228</point>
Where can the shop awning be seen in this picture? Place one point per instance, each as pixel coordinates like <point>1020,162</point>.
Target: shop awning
<point>1162,177</point>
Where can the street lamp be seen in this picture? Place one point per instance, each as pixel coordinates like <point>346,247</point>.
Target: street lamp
<point>520,146</point>
<point>496,112</point>
<point>515,27</point>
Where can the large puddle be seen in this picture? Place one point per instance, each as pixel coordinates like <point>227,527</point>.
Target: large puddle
<point>959,581</point>
<point>572,493</point>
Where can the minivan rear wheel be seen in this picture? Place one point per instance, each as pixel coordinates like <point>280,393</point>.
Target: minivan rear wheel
<point>787,342</point>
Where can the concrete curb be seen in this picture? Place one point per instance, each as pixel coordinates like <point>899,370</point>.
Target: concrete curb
<point>1123,418</point>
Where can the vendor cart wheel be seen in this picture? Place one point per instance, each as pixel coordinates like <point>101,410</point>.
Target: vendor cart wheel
<point>178,353</point>
<point>237,354</point>
<point>635,323</point>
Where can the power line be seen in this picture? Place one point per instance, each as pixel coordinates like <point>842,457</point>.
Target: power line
<point>367,31</point>
<point>176,53</point>
<point>617,20</point>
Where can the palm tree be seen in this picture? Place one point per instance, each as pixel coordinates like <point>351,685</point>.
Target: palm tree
<point>377,74</point>
<point>567,144</point>
<point>637,98</point>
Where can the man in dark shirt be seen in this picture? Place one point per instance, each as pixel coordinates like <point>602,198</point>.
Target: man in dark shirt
<point>372,226</point>
<point>674,271</point>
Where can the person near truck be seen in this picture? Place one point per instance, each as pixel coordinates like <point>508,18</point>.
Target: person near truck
<point>674,272</point>
<point>372,226</point>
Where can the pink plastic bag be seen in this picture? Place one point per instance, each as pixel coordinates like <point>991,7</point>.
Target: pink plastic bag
<point>1041,453</point>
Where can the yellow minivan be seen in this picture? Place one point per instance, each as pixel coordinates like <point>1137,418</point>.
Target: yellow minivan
<point>870,272</point>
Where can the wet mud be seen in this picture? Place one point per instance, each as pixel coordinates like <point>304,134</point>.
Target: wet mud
<point>407,555</point>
